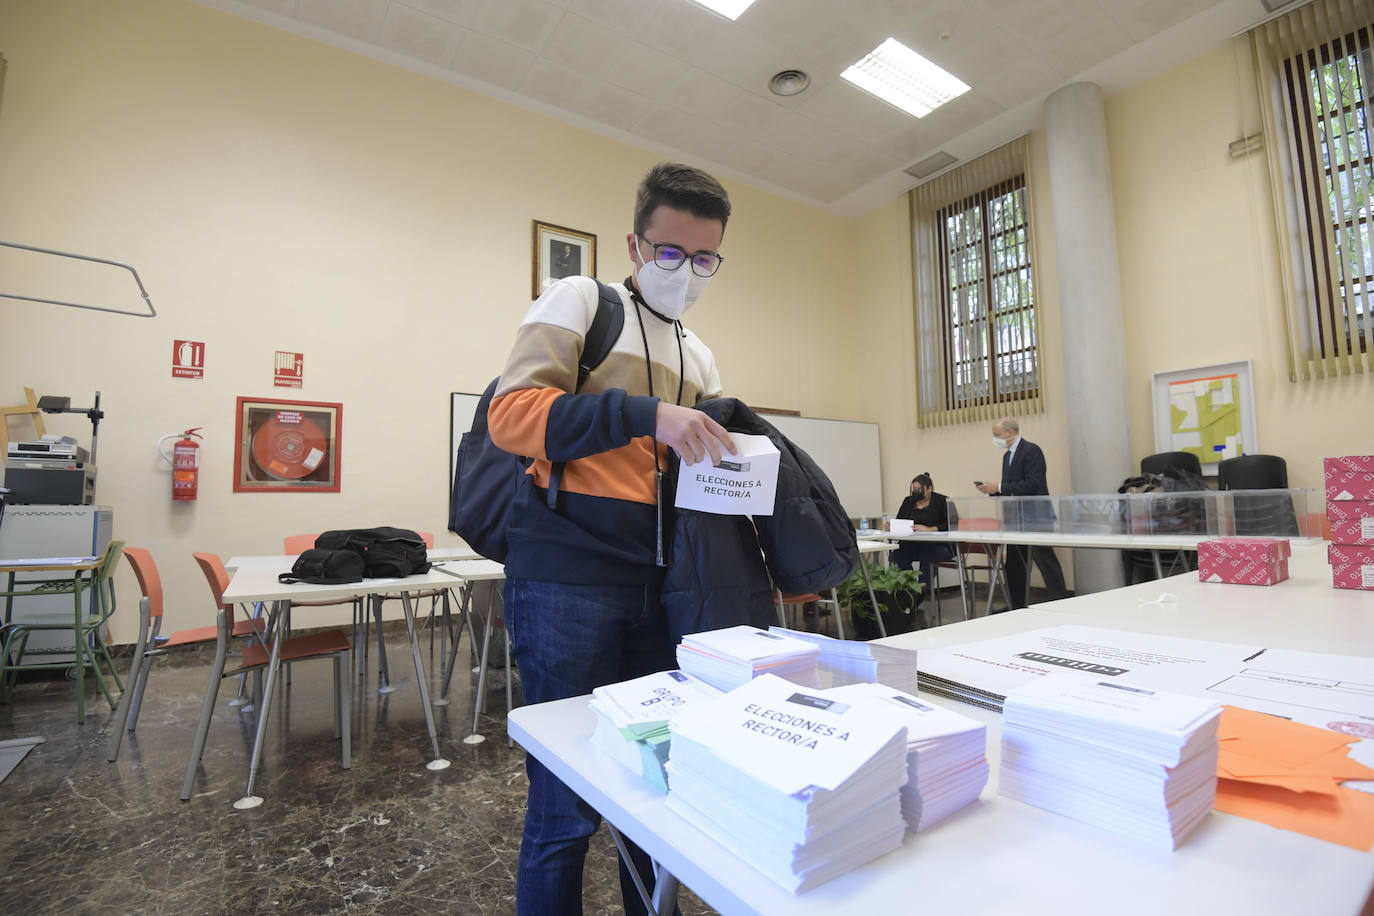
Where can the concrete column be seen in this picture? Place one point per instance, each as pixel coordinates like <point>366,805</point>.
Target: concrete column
<point>1094,336</point>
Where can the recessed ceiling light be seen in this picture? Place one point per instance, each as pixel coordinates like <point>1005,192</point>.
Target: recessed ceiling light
<point>730,9</point>
<point>901,77</point>
<point>788,82</point>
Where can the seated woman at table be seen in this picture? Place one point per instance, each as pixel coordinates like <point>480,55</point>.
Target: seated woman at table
<point>928,511</point>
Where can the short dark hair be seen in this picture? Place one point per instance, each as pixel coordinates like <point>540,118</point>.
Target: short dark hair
<point>681,187</point>
<point>924,480</point>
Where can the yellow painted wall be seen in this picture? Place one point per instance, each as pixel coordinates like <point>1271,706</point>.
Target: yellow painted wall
<point>276,193</point>
<point>1199,276</point>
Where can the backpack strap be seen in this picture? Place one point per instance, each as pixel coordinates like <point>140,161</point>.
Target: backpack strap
<point>596,346</point>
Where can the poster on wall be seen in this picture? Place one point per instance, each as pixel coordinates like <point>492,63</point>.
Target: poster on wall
<point>1208,411</point>
<point>289,371</point>
<point>188,359</point>
<point>287,446</point>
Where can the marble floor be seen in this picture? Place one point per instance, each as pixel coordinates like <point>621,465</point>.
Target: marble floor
<point>80,835</point>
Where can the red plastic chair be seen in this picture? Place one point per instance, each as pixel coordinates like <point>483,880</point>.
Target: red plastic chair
<point>968,572</point>
<point>832,603</point>
<point>152,644</point>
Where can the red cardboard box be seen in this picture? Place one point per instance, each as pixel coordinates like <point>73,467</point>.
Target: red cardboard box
<point>1352,521</point>
<point>1243,561</point>
<point>1349,477</point>
<point>1349,555</point>
<point>1360,577</point>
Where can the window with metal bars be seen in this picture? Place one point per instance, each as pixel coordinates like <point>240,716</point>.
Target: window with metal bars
<point>987,297</point>
<point>1329,88</point>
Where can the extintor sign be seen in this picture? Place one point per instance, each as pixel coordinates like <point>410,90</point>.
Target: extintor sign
<point>188,359</point>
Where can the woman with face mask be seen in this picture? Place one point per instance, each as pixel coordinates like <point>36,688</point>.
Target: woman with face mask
<point>928,511</point>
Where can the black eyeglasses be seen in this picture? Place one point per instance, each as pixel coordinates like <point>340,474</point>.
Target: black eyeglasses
<point>671,257</point>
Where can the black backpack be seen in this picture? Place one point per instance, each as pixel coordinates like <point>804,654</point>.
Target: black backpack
<point>486,477</point>
<point>387,553</point>
<point>325,567</point>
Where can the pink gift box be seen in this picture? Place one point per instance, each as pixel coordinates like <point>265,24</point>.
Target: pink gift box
<point>1258,550</point>
<point>1241,571</point>
<point>1359,577</point>
<point>1352,521</point>
<point>1350,477</point>
<point>1349,555</point>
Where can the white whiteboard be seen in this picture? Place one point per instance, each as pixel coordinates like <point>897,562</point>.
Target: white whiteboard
<point>848,453</point>
<point>846,450</point>
<point>462,408</point>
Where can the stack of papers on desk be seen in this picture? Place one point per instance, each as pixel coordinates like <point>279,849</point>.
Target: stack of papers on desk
<point>632,718</point>
<point>801,784</point>
<point>849,661</point>
<point>946,754</point>
<point>983,673</point>
<point>1139,762</point>
<point>727,658</point>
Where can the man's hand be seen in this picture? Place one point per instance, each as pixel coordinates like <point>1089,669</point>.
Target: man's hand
<point>692,434</point>
<point>987,489</point>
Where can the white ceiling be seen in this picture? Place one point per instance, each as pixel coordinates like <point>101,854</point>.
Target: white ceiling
<point>673,77</point>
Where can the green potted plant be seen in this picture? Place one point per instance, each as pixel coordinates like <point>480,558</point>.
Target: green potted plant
<point>896,590</point>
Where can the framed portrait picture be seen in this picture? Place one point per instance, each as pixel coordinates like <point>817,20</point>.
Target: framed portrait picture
<point>560,252</point>
<point>287,446</point>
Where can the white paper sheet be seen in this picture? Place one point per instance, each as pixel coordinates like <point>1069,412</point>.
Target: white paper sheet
<point>997,666</point>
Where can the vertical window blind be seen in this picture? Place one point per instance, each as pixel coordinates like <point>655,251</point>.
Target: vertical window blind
<point>1316,79</point>
<point>977,323</point>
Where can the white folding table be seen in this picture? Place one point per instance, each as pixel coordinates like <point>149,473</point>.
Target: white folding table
<point>1000,855</point>
<point>252,582</point>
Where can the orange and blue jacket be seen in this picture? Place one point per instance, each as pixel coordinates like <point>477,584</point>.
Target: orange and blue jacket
<point>604,530</point>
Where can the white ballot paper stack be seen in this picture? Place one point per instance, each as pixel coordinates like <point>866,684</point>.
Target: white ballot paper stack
<point>728,658</point>
<point>1139,762</point>
<point>632,718</point>
<point>802,785</point>
<point>851,661</point>
<point>946,754</point>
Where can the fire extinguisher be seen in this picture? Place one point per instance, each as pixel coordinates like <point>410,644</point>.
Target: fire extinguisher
<point>185,462</point>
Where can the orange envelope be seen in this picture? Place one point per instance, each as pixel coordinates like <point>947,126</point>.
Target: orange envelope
<point>1288,775</point>
<point>1347,817</point>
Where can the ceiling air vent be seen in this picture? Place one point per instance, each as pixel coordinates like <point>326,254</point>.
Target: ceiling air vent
<point>931,164</point>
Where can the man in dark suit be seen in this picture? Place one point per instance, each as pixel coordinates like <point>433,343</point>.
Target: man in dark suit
<point>1023,474</point>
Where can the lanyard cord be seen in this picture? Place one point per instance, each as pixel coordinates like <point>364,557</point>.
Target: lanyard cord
<point>649,368</point>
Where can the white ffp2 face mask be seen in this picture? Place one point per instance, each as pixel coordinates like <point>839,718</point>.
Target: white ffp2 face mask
<point>669,292</point>
<point>999,443</point>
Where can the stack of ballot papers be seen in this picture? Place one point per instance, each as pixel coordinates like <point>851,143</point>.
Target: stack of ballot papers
<point>727,658</point>
<point>849,661</point>
<point>632,718</point>
<point>1139,762</point>
<point>946,754</point>
<point>800,784</point>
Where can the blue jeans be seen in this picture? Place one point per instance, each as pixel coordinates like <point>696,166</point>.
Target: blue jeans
<point>567,640</point>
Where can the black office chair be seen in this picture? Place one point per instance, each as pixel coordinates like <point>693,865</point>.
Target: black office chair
<point>1181,515</point>
<point>1158,464</point>
<point>1253,472</point>
<point>1261,514</point>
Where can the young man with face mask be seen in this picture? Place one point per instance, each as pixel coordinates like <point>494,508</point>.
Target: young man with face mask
<point>582,603</point>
